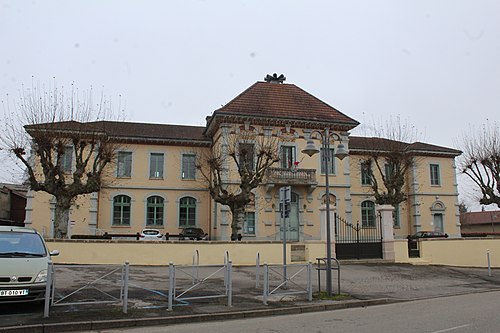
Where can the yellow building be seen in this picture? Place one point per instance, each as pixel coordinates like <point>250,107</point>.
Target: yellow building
<point>155,182</point>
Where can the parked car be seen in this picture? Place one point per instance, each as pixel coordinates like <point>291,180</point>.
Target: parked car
<point>150,234</point>
<point>193,234</point>
<point>428,234</point>
<point>24,259</point>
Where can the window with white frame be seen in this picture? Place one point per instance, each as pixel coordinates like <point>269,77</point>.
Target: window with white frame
<point>66,162</point>
<point>155,211</point>
<point>366,173</point>
<point>327,159</point>
<point>389,171</point>
<point>249,218</point>
<point>187,212</point>
<point>246,155</point>
<point>249,223</point>
<point>287,156</point>
<point>396,217</point>
<point>156,162</point>
<point>435,177</point>
<point>124,165</point>
<point>188,166</point>
<point>121,210</point>
<point>368,214</point>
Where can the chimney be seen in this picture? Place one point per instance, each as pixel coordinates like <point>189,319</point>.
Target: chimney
<point>275,78</point>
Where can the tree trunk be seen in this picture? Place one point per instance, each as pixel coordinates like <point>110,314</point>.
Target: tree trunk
<point>237,221</point>
<point>61,217</point>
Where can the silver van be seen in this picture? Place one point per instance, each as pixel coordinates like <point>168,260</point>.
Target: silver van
<point>23,264</point>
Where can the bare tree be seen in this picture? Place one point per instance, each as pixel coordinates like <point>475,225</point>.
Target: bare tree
<point>388,159</point>
<point>481,161</point>
<point>62,143</point>
<point>251,154</point>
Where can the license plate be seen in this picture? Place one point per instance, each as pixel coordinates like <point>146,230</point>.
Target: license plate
<point>17,292</point>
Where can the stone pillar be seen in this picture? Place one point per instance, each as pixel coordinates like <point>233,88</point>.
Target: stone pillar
<point>225,224</point>
<point>322,228</point>
<point>93,213</point>
<point>28,220</point>
<point>387,230</point>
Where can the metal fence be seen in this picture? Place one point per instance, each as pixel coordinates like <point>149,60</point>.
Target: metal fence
<point>108,286</point>
<point>186,284</point>
<point>282,280</point>
<point>168,286</point>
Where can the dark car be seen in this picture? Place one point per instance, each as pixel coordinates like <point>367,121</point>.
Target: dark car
<point>193,234</point>
<point>428,234</point>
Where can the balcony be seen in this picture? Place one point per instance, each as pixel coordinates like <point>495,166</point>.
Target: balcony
<point>291,176</point>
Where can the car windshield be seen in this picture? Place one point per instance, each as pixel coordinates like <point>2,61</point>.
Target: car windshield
<point>21,244</point>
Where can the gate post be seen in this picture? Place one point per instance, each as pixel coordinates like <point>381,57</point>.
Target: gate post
<point>386,225</point>
<point>333,220</point>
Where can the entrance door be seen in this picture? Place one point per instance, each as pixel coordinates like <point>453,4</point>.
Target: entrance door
<point>438,222</point>
<point>293,220</point>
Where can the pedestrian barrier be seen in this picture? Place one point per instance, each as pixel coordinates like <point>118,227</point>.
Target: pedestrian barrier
<point>279,280</point>
<point>109,287</point>
<point>184,286</point>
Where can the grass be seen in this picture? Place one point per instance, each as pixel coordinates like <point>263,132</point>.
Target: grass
<point>336,297</point>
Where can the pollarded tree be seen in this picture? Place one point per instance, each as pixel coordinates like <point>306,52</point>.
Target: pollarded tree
<point>481,162</point>
<point>252,154</point>
<point>387,161</point>
<point>62,143</point>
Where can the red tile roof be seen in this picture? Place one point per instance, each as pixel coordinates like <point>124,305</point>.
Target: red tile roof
<point>274,100</point>
<point>359,144</point>
<point>487,217</point>
<point>130,131</point>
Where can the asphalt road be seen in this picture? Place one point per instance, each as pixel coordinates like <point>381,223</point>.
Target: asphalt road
<point>460,314</point>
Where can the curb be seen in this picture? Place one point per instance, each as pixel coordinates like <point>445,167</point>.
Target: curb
<point>220,316</point>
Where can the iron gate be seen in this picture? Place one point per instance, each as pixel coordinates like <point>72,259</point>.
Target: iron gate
<point>358,241</point>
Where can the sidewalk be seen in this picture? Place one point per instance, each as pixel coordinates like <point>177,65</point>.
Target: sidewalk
<point>364,284</point>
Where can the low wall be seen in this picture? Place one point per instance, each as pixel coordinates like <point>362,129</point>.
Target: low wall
<point>181,253</point>
<point>468,252</point>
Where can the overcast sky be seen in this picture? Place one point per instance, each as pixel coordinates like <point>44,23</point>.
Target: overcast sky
<point>434,63</point>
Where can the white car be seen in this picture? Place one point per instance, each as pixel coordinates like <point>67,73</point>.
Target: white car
<point>23,265</point>
<point>150,234</point>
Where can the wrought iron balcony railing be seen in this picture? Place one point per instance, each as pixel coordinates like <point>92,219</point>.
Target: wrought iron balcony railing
<point>292,176</point>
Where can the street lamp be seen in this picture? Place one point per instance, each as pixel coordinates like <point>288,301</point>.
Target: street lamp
<point>340,153</point>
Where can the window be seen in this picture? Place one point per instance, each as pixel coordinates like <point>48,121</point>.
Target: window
<point>188,166</point>
<point>66,159</point>
<point>187,212</point>
<point>124,166</point>
<point>249,223</point>
<point>156,165</point>
<point>367,214</point>
<point>287,156</point>
<point>389,171</point>
<point>366,173</point>
<point>246,156</point>
<point>396,217</point>
<point>154,211</point>
<point>121,210</point>
<point>434,170</point>
<point>327,158</point>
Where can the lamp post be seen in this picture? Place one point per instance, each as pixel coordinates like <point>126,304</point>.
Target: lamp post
<point>340,153</point>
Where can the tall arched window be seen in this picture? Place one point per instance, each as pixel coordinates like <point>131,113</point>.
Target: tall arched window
<point>155,211</point>
<point>187,212</point>
<point>368,214</point>
<point>121,210</point>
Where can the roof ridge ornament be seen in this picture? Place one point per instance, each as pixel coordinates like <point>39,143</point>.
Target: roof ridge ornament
<point>275,78</point>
